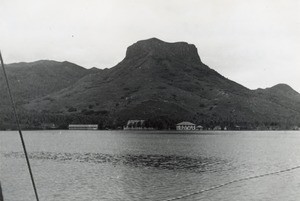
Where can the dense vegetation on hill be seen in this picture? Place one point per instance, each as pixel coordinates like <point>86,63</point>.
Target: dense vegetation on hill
<point>163,83</point>
<point>33,80</point>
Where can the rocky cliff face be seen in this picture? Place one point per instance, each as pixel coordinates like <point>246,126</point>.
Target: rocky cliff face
<point>158,49</point>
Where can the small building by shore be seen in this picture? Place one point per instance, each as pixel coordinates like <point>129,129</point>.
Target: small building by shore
<point>46,126</point>
<point>217,128</point>
<point>135,125</point>
<point>199,127</point>
<point>83,127</point>
<point>185,125</point>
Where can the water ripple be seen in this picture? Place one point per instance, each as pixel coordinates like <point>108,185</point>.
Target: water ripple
<point>167,162</point>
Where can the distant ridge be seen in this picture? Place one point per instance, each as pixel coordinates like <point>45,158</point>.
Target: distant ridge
<point>164,83</point>
<point>30,80</point>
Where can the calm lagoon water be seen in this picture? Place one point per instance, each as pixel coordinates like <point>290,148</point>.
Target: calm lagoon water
<point>129,166</point>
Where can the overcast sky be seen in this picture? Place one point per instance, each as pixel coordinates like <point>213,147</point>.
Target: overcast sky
<point>253,42</point>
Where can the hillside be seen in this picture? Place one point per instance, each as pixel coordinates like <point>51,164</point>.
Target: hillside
<point>167,83</point>
<point>36,79</point>
<point>286,100</point>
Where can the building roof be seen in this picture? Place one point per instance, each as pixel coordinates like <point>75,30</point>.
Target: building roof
<point>135,122</point>
<point>185,123</point>
<point>80,125</point>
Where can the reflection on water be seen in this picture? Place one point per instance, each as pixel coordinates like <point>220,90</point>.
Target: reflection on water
<point>171,162</point>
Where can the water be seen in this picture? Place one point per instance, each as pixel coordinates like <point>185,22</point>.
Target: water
<point>119,165</point>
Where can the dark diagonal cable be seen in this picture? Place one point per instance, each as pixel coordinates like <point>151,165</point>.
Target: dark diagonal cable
<point>19,128</point>
<point>231,182</point>
<point>1,196</point>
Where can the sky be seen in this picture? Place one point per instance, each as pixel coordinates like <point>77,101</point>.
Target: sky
<point>255,43</point>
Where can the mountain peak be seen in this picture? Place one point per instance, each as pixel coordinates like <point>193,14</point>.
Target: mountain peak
<point>157,48</point>
<point>282,86</point>
<point>154,40</point>
<point>283,89</point>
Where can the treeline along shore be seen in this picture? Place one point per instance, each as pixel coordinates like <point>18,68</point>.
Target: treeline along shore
<point>46,122</point>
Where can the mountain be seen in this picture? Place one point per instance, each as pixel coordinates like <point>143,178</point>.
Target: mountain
<point>36,79</point>
<point>167,83</point>
<point>284,97</point>
<point>282,91</point>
